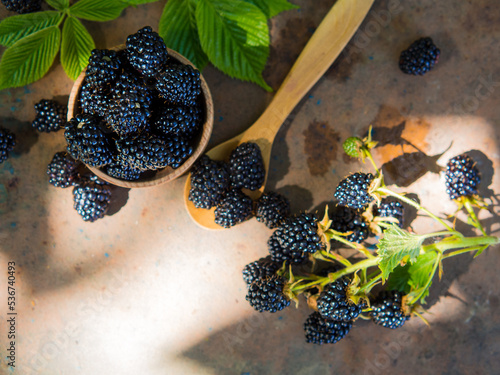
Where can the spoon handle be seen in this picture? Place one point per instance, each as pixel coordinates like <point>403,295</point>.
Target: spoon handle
<point>329,39</point>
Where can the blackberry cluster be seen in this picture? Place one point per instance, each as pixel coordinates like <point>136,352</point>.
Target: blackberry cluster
<point>346,219</point>
<point>63,170</point>
<point>299,233</point>
<point>23,6</point>
<point>87,141</point>
<point>7,143</point>
<point>353,190</point>
<point>119,93</point>
<point>247,166</point>
<point>419,58</point>
<point>462,177</point>
<point>391,208</point>
<point>260,269</point>
<point>179,84</point>
<point>282,254</point>
<point>234,208</point>
<point>320,331</point>
<point>333,303</point>
<point>267,294</point>
<point>91,199</point>
<point>387,309</point>
<point>50,116</point>
<point>271,209</point>
<point>209,182</point>
<point>146,51</point>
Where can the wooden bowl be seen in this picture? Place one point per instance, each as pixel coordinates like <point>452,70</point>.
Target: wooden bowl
<point>167,174</point>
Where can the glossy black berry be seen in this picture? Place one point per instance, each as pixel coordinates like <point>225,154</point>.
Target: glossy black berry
<point>391,208</point>
<point>7,143</point>
<point>353,190</point>
<point>420,57</point>
<point>234,208</point>
<point>146,51</point>
<point>88,142</point>
<point>23,6</point>
<point>247,166</point>
<point>267,294</point>
<point>260,269</point>
<point>50,116</point>
<point>462,177</point>
<point>94,100</point>
<point>333,302</point>
<point>387,309</point>
<point>103,68</point>
<point>63,170</point>
<point>272,208</point>
<point>320,331</point>
<point>178,120</point>
<point>299,233</point>
<point>122,172</point>
<point>179,84</point>
<point>209,182</point>
<point>280,254</point>
<point>91,199</point>
<point>346,219</point>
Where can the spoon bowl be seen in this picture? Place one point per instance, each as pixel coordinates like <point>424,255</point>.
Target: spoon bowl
<point>329,39</point>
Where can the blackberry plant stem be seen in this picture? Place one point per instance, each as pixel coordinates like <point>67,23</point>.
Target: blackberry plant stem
<point>357,247</point>
<point>414,204</point>
<point>472,215</point>
<point>463,251</point>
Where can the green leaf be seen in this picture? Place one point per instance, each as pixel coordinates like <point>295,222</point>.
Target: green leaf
<point>138,2</point>
<point>30,58</point>
<point>397,246</point>
<point>421,269</point>
<point>178,29</point>
<point>273,7</point>
<point>58,4</point>
<point>97,10</point>
<point>399,279</point>
<point>76,46</point>
<point>235,36</point>
<point>17,27</point>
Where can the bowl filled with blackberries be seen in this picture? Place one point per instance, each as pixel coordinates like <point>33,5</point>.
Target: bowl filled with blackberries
<point>140,114</point>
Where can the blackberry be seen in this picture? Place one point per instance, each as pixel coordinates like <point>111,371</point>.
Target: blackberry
<point>282,254</point>
<point>387,309</point>
<point>234,208</point>
<point>272,208</point>
<point>146,51</point>
<point>346,219</point>
<point>209,182</point>
<point>247,166</point>
<point>353,190</point>
<point>122,172</point>
<point>419,58</point>
<point>391,208</point>
<point>299,233</point>
<point>63,170</point>
<point>267,294</point>
<point>325,331</point>
<point>23,6</point>
<point>149,152</point>
<point>91,199</point>
<point>103,67</point>
<point>50,116</point>
<point>87,141</point>
<point>179,84</point>
<point>260,269</point>
<point>462,177</point>
<point>179,120</point>
<point>94,100</point>
<point>333,303</point>
<point>7,143</point>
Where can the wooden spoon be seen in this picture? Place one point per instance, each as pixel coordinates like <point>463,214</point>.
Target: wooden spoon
<point>329,39</point>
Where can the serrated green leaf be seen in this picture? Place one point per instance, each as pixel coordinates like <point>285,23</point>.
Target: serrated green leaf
<point>138,2</point>
<point>97,10</point>
<point>272,8</point>
<point>397,245</point>
<point>30,58</point>
<point>17,27</point>
<point>76,46</point>
<point>235,36</point>
<point>399,278</point>
<point>421,269</point>
<point>178,29</point>
<point>58,4</point>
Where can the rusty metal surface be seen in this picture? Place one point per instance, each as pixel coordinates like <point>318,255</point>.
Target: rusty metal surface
<point>144,290</point>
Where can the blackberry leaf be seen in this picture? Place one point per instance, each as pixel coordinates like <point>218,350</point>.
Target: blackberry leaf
<point>17,27</point>
<point>58,4</point>
<point>76,47</point>
<point>272,8</point>
<point>97,10</point>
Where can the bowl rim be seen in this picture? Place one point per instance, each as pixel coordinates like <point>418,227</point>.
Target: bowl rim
<point>168,173</point>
